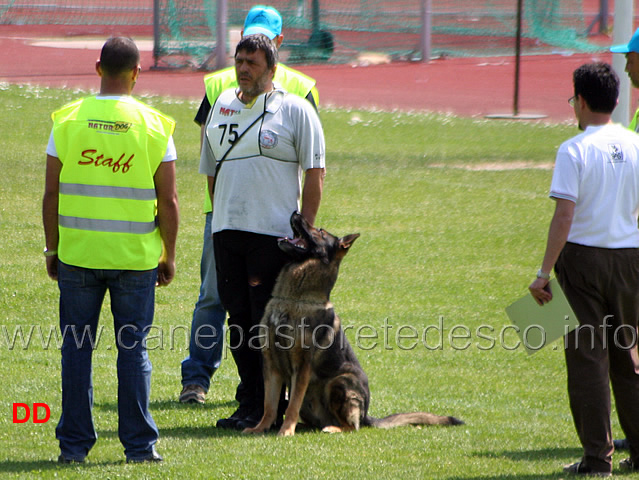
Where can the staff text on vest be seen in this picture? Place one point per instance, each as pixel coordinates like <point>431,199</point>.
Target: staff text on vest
<point>101,160</point>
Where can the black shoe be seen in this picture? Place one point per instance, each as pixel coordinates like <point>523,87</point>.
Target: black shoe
<point>232,422</point>
<point>228,423</point>
<point>153,457</point>
<point>66,460</point>
<point>251,420</point>
<point>628,465</point>
<point>621,444</point>
<point>580,468</point>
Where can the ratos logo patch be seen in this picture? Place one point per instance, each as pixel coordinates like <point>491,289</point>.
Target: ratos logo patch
<point>268,139</point>
<point>616,155</point>
<point>109,127</point>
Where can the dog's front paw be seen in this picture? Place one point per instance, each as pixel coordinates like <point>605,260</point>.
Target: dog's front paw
<point>286,431</point>
<point>332,429</point>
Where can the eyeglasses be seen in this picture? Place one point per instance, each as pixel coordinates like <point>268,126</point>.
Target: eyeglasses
<point>571,100</point>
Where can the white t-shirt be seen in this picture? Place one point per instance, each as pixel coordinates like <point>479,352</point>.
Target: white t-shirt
<point>259,183</point>
<point>598,170</point>
<point>169,156</point>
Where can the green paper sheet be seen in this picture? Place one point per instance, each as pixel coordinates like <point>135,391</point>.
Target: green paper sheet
<point>539,326</point>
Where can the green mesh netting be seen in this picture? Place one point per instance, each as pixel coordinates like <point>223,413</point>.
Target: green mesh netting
<point>331,30</point>
<point>76,12</point>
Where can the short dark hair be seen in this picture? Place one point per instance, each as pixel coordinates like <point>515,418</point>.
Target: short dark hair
<point>119,55</point>
<point>253,43</point>
<point>598,84</point>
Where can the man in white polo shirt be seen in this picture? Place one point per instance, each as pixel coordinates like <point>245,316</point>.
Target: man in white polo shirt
<point>593,244</point>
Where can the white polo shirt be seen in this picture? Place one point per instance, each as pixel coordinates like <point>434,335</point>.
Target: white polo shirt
<point>260,180</point>
<point>598,170</point>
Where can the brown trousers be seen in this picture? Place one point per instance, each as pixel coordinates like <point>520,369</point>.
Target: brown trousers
<point>602,286</point>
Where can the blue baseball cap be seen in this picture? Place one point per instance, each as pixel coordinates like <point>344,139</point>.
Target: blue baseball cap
<point>633,45</point>
<point>263,19</point>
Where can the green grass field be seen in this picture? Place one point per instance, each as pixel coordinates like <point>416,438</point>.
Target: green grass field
<point>453,215</point>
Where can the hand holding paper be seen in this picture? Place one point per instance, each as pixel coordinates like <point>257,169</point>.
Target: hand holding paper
<point>538,326</point>
<point>540,290</point>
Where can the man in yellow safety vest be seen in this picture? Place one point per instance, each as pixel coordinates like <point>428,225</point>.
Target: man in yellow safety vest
<point>110,214</point>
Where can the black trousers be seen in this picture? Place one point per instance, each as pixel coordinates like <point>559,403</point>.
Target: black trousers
<point>247,267</point>
<point>602,287</point>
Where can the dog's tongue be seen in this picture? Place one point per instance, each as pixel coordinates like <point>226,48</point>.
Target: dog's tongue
<point>298,242</point>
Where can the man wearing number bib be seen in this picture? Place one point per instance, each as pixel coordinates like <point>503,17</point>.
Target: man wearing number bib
<point>207,325</point>
<point>260,143</point>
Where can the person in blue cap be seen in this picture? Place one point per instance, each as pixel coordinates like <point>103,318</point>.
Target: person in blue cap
<point>631,50</point>
<point>207,326</point>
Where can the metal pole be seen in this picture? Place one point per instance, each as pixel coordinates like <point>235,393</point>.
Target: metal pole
<point>315,17</point>
<point>621,34</point>
<point>515,114</point>
<point>426,31</point>
<point>156,32</point>
<point>603,20</point>
<point>517,58</point>
<point>220,34</point>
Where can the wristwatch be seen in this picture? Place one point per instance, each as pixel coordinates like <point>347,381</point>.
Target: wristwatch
<point>49,253</point>
<point>545,276</point>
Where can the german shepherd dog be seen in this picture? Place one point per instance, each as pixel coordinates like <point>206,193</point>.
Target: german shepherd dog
<point>304,346</point>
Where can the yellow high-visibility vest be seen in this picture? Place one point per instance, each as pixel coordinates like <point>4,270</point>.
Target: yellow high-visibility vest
<point>110,149</point>
<point>634,123</point>
<point>289,79</point>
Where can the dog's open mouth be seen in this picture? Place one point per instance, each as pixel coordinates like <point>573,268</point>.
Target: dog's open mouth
<point>301,242</point>
<point>297,242</point>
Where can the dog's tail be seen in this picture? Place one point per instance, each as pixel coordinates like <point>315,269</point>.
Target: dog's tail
<point>416,418</point>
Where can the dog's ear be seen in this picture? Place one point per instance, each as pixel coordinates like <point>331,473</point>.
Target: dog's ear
<point>346,242</point>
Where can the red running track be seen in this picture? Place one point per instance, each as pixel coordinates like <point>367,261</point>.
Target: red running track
<point>461,86</point>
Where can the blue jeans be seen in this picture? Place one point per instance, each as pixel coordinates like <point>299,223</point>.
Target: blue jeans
<point>132,295</point>
<point>207,326</point>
